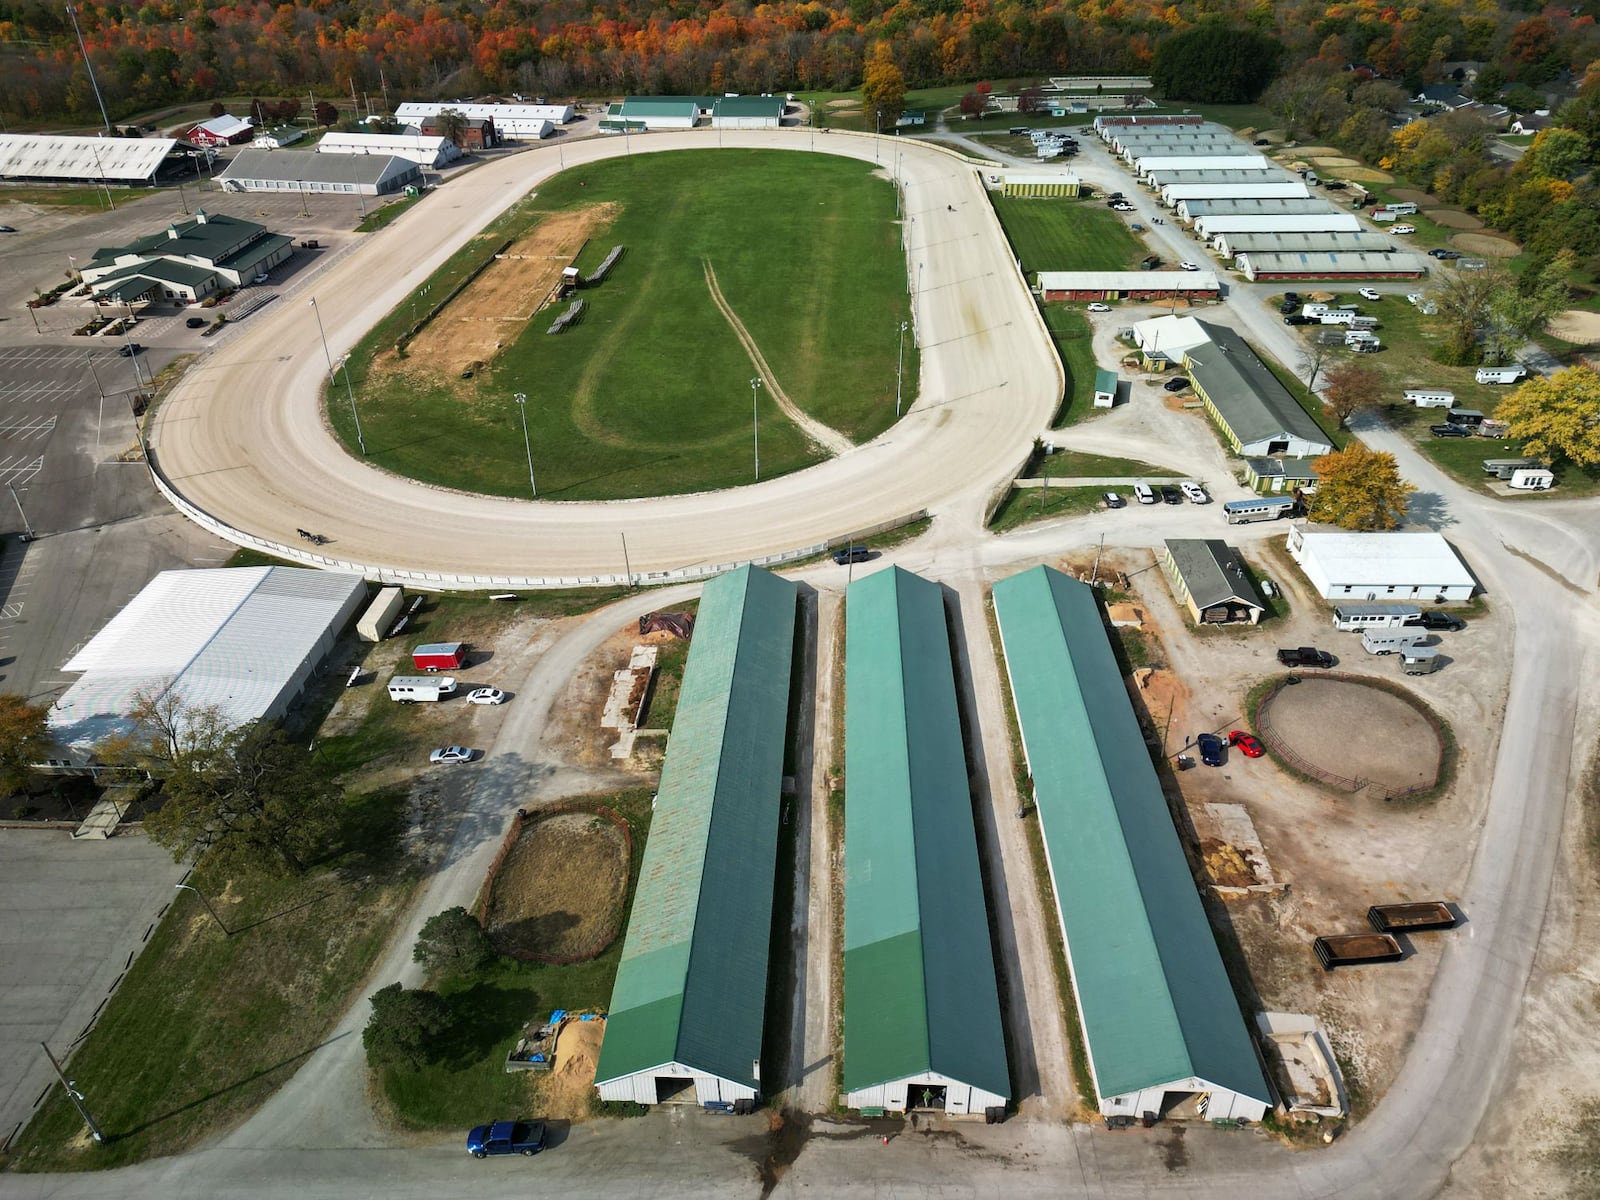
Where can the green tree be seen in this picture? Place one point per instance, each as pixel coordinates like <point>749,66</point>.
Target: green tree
<point>1556,153</point>
<point>453,942</point>
<point>883,88</point>
<point>1520,308</point>
<point>403,1025</point>
<point>1360,489</point>
<point>1557,417</point>
<point>1462,301</point>
<point>1351,388</point>
<point>1215,63</point>
<point>24,740</point>
<point>451,123</point>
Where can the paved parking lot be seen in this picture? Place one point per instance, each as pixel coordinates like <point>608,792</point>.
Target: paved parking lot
<point>71,914</point>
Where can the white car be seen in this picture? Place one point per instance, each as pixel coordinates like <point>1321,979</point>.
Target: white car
<point>1404,229</point>
<point>1413,297</point>
<point>1369,293</point>
<point>1193,492</point>
<point>1187,266</point>
<point>1099,308</point>
<point>451,754</point>
<point>486,695</point>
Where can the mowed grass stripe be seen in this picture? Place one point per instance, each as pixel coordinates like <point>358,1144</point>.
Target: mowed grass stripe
<point>649,393</point>
<point>1066,235</point>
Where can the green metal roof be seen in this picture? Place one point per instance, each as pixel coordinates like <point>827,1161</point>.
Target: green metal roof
<point>1154,998</point>
<point>664,106</point>
<point>129,289</point>
<point>1105,381</point>
<point>170,271</point>
<point>748,106</point>
<point>210,239</point>
<point>919,979</point>
<point>692,984</point>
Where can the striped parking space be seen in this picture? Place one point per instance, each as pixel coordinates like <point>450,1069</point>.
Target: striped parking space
<point>17,469</point>
<point>25,429</point>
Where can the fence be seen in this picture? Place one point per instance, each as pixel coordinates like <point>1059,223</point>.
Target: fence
<point>405,338</point>
<point>1344,782</point>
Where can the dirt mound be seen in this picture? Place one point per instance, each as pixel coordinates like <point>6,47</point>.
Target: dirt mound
<point>1487,245</point>
<point>565,1092</point>
<point>1577,326</point>
<point>1226,866</point>
<point>558,894</point>
<point>1453,218</point>
<point>1317,151</point>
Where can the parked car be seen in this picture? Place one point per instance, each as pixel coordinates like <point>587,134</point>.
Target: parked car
<point>1297,319</point>
<point>486,695</point>
<point>1211,747</point>
<point>1448,431</point>
<point>1305,656</point>
<point>1337,185</point>
<point>1247,743</point>
<point>1116,196</point>
<point>1136,227</point>
<point>1442,254</point>
<point>1113,500</point>
<point>1291,297</point>
<point>129,349</point>
<point>1441,622</point>
<point>852,553</point>
<point>1261,142</point>
<point>1369,293</point>
<point>1195,493</point>
<point>451,754</point>
<point>1400,229</point>
<point>1413,297</point>
<point>1170,494</point>
<point>1098,307</point>
<point>261,277</point>
<point>1176,385</point>
<point>1187,266</point>
<point>196,322</point>
<point>1144,493</point>
<point>506,1137</point>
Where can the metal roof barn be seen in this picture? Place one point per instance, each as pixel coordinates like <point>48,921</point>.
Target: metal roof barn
<point>1380,566</point>
<point>308,171</point>
<point>1160,1020</point>
<point>921,1006</point>
<point>1256,413</point>
<point>1296,243</point>
<point>429,151</point>
<point>1283,189</point>
<point>689,1003</point>
<point>1209,226</point>
<point>1197,162</point>
<point>89,159</point>
<point>1265,174</point>
<point>514,121</point>
<point>1324,265</point>
<point>243,639</point>
<point>1254,206</point>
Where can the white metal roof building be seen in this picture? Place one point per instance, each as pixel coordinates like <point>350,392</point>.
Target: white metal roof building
<point>1357,264</point>
<point>427,151</point>
<point>1262,174</point>
<point>1253,206</point>
<point>57,158</point>
<point>520,122</point>
<point>1209,226</point>
<point>307,171</point>
<point>243,639</point>
<point>1175,194</point>
<point>1176,145</point>
<point>1169,338</point>
<point>1380,566</point>
<point>1297,243</point>
<point>1199,161</point>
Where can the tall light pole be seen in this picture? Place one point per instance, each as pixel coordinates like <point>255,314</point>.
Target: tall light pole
<point>27,530</point>
<point>226,932</point>
<point>899,368</point>
<point>755,424</point>
<point>522,406</point>
<point>327,354</point>
<point>71,1085</point>
<point>89,66</point>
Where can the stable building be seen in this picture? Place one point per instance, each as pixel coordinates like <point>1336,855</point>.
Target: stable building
<point>1163,341</point>
<point>1019,183</point>
<point>187,261</point>
<point>306,172</point>
<point>1229,206</point>
<point>1161,1024</point>
<point>1209,579</point>
<point>1332,264</point>
<point>277,139</point>
<point>1265,173</point>
<point>1257,415</point>
<point>1210,227</point>
<point>689,1004</point>
<point>221,131</point>
<point>1272,476</point>
<point>1129,285</point>
<point>242,641</point>
<point>516,122</point>
<point>1381,566</point>
<point>1142,167</point>
<point>434,152</point>
<point>119,162</point>
<point>1230,244</point>
<point>1174,194</point>
<point>921,1006</point>
<point>747,112</point>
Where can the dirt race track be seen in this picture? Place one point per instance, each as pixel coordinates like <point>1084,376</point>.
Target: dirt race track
<point>1322,719</point>
<point>559,892</point>
<point>244,441</point>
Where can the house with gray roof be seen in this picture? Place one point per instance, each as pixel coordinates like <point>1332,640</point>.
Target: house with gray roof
<point>187,261</point>
<point>1209,579</point>
<point>1257,415</point>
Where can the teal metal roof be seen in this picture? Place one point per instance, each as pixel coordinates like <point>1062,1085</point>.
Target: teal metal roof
<point>919,979</point>
<point>748,106</point>
<point>1154,998</point>
<point>664,106</point>
<point>692,984</point>
<point>1105,381</point>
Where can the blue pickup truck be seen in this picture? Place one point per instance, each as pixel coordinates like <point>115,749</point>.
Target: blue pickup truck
<point>506,1137</point>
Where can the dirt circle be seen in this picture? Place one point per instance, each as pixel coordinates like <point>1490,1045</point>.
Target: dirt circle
<point>1577,326</point>
<point>1365,175</point>
<point>558,894</point>
<point>1347,728</point>
<point>1487,245</point>
<point>1335,160</point>
<point>1452,218</point>
<point>1412,196</point>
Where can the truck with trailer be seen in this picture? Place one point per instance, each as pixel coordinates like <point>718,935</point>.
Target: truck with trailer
<point>1305,656</point>
<point>440,656</point>
<point>1505,468</point>
<point>1352,617</point>
<point>414,689</point>
<point>1469,417</point>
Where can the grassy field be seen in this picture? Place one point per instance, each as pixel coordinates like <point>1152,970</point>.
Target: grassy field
<point>1027,505</point>
<point>1074,464</point>
<point>1069,330</point>
<point>1066,235</point>
<point>71,197</point>
<point>649,393</point>
<point>205,1027</point>
<point>377,220</point>
<point>466,1081</point>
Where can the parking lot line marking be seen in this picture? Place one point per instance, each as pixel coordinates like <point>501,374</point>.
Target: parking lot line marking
<point>15,470</point>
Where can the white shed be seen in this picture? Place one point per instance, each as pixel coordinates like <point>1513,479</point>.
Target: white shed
<point>1209,226</point>
<point>1198,162</point>
<point>1281,189</point>
<point>427,151</point>
<point>1380,566</point>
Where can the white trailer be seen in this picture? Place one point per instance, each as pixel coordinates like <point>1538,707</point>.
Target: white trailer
<point>411,689</point>
<point>1430,397</point>
<point>1532,479</point>
<point>380,614</point>
<point>1511,373</point>
<point>1386,641</point>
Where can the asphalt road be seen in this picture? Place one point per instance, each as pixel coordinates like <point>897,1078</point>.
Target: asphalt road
<point>243,436</point>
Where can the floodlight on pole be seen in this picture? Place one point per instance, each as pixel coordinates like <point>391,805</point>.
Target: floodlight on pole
<point>327,354</point>
<point>899,368</point>
<point>226,932</point>
<point>522,406</point>
<point>755,424</point>
<point>89,66</point>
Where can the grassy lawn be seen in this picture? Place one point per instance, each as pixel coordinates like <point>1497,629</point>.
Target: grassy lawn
<point>649,394</point>
<point>377,219</point>
<point>205,1027</point>
<point>1306,400</point>
<point>1066,235</point>
<point>466,1082</point>
<point>1027,505</point>
<point>1074,464</point>
<point>1069,330</point>
<point>1234,116</point>
<point>71,197</point>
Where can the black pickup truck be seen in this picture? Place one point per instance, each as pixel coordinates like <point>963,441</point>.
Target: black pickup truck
<point>1305,656</point>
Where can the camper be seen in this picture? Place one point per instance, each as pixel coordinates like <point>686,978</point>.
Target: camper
<point>409,689</point>
<point>1532,479</point>
<point>1387,641</point>
<point>1430,397</point>
<point>1359,322</point>
<point>1420,660</point>
<point>1510,373</point>
<point>1268,508</point>
<point>1505,468</point>
<point>1362,617</point>
<point>1338,316</point>
<point>1360,337</point>
<point>1403,209</point>
<point>1314,311</point>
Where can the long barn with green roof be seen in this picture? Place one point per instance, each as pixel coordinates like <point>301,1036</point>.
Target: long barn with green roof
<point>1160,1019</point>
<point>688,1005</point>
<point>921,1007</point>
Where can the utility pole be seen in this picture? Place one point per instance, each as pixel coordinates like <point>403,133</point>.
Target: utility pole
<point>1094,575</point>
<point>383,84</point>
<point>626,565</point>
<point>354,416</point>
<point>522,406</point>
<point>755,424</point>
<point>27,530</point>
<point>226,932</point>
<point>72,1092</point>
<point>89,358</point>
<point>89,66</point>
<point>899,368</point>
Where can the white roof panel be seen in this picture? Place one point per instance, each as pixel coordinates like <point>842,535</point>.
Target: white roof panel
<point>56,156</point>
<point>1380,559</point>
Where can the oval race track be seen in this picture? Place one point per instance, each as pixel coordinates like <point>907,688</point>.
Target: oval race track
<point>243,439</point>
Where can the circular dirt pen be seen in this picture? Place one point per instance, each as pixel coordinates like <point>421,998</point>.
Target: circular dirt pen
<point>1412,196</point>
<point>1577,326</point>
<point>1335,160</point>
<point>1487,245</point>
<point>1452,218</point>
<point>1366,175</point>
<point>557,895</point>
<point>1343,727</point>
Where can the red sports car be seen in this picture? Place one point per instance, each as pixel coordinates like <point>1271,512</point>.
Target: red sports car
<point>1247,743</point>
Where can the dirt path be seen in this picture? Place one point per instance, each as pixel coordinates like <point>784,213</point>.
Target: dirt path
<point>830,440</point>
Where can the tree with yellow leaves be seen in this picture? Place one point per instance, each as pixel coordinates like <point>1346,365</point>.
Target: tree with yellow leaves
<point>1558,417</point>
<point>883,88</point>
<point>1360,489</point>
